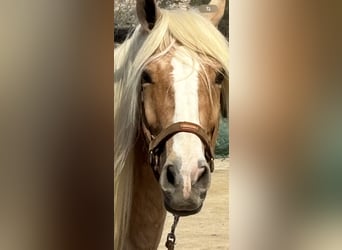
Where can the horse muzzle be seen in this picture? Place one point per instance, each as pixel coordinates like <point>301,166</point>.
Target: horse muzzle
<point>182,197</point>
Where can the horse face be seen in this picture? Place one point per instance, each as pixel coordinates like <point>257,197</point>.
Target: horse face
<point>177,87</point>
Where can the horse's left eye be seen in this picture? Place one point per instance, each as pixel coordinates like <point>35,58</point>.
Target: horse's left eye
<point>219,77</point>
<point>145,78</point>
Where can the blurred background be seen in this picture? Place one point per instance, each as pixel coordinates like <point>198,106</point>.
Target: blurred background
<point>56,108</point>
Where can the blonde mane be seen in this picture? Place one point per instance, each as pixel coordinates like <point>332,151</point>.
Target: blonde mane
<point>187,28</point>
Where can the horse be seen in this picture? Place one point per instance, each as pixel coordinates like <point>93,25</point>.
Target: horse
<point>170,81</point>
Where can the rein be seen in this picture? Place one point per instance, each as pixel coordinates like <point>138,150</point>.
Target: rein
<point>171,237</point>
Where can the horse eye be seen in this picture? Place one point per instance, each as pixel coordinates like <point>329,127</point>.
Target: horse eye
<point>219,77</point>
<point>145,78</point>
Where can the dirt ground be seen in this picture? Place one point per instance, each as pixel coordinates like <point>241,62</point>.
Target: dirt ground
<point>209,228</point>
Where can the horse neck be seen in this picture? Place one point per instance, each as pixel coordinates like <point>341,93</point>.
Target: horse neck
<point>147,212</point>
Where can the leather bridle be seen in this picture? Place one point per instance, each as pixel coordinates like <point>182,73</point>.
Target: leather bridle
<point>156,143</point>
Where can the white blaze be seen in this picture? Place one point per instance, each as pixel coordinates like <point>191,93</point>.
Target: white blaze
<point>186,146</point>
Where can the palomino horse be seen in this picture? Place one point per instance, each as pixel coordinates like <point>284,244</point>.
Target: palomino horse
<point>170,78</point>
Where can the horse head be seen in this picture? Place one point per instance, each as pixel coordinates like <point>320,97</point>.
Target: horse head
<point>181,90</point>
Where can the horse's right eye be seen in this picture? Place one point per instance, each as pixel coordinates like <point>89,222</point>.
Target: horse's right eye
<point>219,77</point>
<point>146,78</point>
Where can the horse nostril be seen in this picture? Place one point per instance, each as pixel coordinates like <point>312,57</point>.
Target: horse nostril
<point>203,178</point>
<point>170,175</point>
<point>170,179</point>
<point>202,174</point>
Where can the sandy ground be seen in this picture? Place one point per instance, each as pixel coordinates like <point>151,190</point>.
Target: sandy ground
<point>209,228</point>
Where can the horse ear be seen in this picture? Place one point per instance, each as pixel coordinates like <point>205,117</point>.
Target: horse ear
<point>148,13</point>
<point>215,11</point>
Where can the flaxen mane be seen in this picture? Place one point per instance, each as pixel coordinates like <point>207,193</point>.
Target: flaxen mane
<point>187,28</point>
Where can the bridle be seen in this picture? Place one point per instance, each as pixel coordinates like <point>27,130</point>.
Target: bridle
<point>157,142</point>
<point>156,145</point>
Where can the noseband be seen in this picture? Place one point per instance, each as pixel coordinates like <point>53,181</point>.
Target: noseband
<point>157,143</point>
